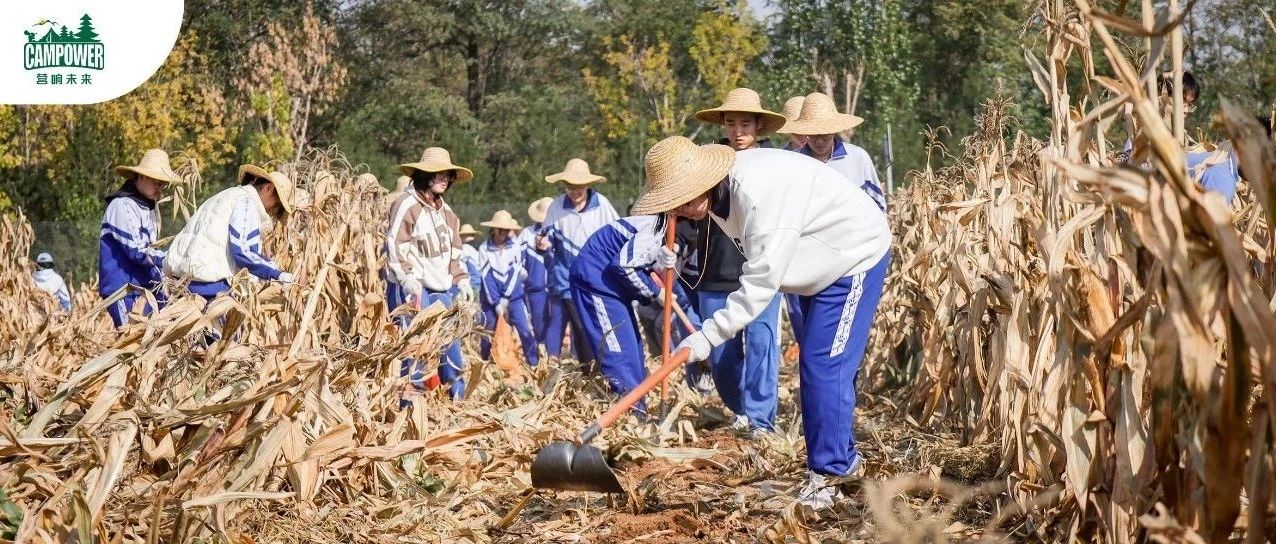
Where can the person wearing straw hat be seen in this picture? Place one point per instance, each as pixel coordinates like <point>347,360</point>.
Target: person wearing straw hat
<point>571,219</point>
<point>537,265</point>
<point>821,124</point>
<point>224,236</point>
<point>130,227</point>
<point>503,274</point>
<point>423,254</point>
<point>793,110</point>
<point>746,368</point>
<point>805,231</point>
<point>470,255</point>
<point>48,280</point>
<point>612,273</point>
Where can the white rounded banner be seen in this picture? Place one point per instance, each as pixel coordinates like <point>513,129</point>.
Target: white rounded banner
<point>82,51</point>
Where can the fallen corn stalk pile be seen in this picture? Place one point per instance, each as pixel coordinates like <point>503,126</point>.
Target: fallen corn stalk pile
<point>1109,326</point>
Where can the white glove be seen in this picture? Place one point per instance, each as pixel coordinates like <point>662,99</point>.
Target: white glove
<point>465,292</point>
<point>698,345</point>
<point>502,307</point>
<point>411,289</point>
<point>667,259</point>
<point>286,278</point>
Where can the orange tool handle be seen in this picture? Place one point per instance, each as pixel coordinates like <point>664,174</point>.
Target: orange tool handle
<point>671,364</point>
<point>682,316</point>
<point>670,234</point>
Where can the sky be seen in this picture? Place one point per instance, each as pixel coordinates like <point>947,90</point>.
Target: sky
<point>761,8</point>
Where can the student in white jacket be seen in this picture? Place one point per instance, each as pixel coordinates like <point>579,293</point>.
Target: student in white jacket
<point>803,230</point>
<point>49,281</point>
<point>819,125</point>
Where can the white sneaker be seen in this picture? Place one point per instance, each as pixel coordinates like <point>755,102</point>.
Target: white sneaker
<point>741,423</point>
<point>818,493</point>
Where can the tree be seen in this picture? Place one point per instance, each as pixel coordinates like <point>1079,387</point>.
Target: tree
<point>726,39</point>
<point>86,32</point>
<point>65,36</point>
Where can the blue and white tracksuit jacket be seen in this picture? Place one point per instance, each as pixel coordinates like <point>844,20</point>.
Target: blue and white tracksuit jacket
<point>567,231</point>
<point>245,251</point>
<point>130,227</point>
<point>537,285</point>
<point>612,272</point>
<point>503,276</point>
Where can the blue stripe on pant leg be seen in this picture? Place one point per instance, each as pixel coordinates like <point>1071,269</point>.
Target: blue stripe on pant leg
<point>609,328</point>
<point>536,305</point>
<point>726,361</point>
<point>838,323</point>
<point>521,321</point>
<point>760,376</point>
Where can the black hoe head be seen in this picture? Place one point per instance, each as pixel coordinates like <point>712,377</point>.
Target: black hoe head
<point>571,467</point>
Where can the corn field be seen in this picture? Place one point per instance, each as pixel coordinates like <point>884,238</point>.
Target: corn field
<point>1072,347</point>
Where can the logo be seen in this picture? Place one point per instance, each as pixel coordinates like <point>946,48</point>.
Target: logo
<point>53,45</point>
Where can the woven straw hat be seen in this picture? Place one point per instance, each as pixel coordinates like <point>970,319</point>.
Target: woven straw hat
<point>678,171</point>
<point>284,186</point>
<point>436,159</point>
<point>154,165</point>
<point>820,116</point>
<point>401,184</point>
<point>744,101</point>
<point>501,220</point>
<point>792,110</point>
<point>539,209</point>
<point>576,173</point>
<point>467,229</point>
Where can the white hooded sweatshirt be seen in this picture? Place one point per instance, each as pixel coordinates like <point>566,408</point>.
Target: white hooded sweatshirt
<point>801,228</point>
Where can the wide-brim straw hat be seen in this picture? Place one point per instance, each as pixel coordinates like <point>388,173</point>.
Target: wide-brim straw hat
<point>436,159</point>
<point>576,172</point>
<point>467,230</point>
<point>820,116</point>
<point>401,184</point>
<point>501,220</point>
<point>744,100</point>
<point>154,165</point>
<point>793,110</point>
<point>539,209</point>
<point>678,171</point>
<point>284,186</point>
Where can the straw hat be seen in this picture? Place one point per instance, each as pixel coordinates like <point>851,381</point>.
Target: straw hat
<point>436,159</point>
<point>401,184</point>
<point>820,116</point>
<point>154,165</point>
<point>678,170</point>
<point>793,107</point>
<point>539,209</point>
<point>284,186</point>
<point>501,220</point>
<point>576,173</point>
<point>467,229</point>
<point>744,101</point>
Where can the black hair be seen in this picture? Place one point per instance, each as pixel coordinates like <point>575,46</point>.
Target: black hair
<point>1190,85</point>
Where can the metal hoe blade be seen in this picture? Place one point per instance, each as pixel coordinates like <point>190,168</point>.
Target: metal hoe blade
<point>571,467</point>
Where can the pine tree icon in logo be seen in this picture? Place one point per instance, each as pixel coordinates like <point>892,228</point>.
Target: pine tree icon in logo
<point>86,32</point>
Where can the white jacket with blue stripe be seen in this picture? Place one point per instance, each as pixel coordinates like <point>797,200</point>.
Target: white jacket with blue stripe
<point>568,229</point>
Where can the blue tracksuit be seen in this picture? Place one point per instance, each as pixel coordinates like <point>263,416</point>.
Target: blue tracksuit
<point>1220,178</point>
<point>833,343</point>
<point>611,272</point>
<point>537,285</point>
<point>503,275</point>
<point>567,230</point>
<point>130,227</point>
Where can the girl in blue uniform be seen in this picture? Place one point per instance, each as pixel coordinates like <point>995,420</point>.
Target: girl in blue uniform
<point>501,267</point>
<point>612,272</point>
<point>537,263</point>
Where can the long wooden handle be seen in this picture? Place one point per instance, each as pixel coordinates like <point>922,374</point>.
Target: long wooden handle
<point>677,309</point>
<point>670,234</point>
<point>671,364</point>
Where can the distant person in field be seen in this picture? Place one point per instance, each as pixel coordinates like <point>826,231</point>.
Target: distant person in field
<point>804,230</point>
<point>127,258</point>
<point>746,367</point>
<point>504,276</point>
<point>821,124</point>
<point>611,274</point>
<point>470,255</point>
<point>423,256</point>
<point>793,110</point>
<point>49,281</point>
<point>571,219</point>
<point>537,263</point>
